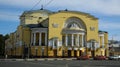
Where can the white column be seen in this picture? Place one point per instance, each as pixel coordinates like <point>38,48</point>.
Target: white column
<point>58,43</point>
<point>45,38</point>
<point>91,45</point>
<point>103,41</point>
<point>31,38</point>
<point>72,40</point>
<point>95,45</point>
<point>53,43</point>
<point>34,35</point>
<point>82,40</point>
<point>99,41</point>
<point>66,40</point>
<point>78,40</point>
<point>40,38</point>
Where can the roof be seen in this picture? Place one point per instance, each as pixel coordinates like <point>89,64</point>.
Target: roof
<point>35,26</point>
<point>60,11</point>
<point>37,11</point>
<point>77,12</point>
<point>102,31</point>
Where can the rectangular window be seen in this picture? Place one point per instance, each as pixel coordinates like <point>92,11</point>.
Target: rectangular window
<point>43,39</point>
<point>63,40</point>
<point>37,39</point>
<point>69,40</point>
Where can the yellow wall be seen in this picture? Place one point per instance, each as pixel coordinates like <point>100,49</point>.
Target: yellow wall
<point>26,36</point>
<point>60,18</point>
<point>38,50</point>
<point>106,44</point>
<point>33,18</point>
<point>19,51</point>
<point>106,39</point>
<point>24,33</point>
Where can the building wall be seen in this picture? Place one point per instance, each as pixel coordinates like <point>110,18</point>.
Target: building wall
<point>23,35</point>
<point>21,39</point>
<point>103,50</point>
<point>26,36</point>
<point>60,19</point>
<point>33,18</point>
<point>37,51</point>
<point>106,44</point>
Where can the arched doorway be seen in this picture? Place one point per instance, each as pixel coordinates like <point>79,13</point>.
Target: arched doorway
<point>74,34</point>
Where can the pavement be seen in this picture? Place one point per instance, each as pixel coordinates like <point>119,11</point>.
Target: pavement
<point>62,63</point>
<point>37,59</point>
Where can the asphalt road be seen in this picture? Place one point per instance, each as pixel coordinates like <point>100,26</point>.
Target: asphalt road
<point>62,63</point>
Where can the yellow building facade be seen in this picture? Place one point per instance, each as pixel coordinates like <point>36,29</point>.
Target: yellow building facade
<point>43,33</point>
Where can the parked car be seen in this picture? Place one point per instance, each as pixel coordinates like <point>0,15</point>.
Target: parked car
<point>116,57</point>
<point>99,58</point>
<point>85,57</point>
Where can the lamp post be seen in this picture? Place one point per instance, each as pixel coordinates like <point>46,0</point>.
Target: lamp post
<point>113,40</point>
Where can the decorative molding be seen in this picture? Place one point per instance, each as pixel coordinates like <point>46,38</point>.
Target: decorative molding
<point>34,30</point>
<point>55,25</point>
<point>92,28</point>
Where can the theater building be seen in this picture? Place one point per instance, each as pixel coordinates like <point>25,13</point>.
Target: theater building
<point>65,33</point>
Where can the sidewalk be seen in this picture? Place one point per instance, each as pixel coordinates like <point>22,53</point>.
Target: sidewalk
<point>38,59</point>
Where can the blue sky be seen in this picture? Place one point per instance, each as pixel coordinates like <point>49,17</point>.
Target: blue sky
<point>108,12</point>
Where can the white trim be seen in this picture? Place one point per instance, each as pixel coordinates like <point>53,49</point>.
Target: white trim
<point>40,38</point>
<point>99,41</point>
<point>58,43</point>
<point>66,40</point>
<point>101,34</point>
<point>82,40</point>
<point>75,48</point>
<point>31,38</point>
<point>72,39</point>
<point>91,45</point>
<point>80,48</point>
<point>78,40</point>
<point>50,43</point>
<point>45,38</point>
<point>34,41</point>
<point>69,48</point>
<point>80,33</point>
<point>53,44</point>
<point>102,41</point>
<point>39,30</point>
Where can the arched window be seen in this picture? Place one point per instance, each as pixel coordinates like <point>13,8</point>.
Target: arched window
<point>74,23</point>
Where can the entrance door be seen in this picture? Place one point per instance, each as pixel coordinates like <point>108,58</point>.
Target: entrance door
<point>55,53</point>
<point>93,48</point>
<point>93,53</point>
<point>69,53</point>
<point>25,51</point>
<point>75,53</point>
<point>80,53</point>
<point>63,53</point>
